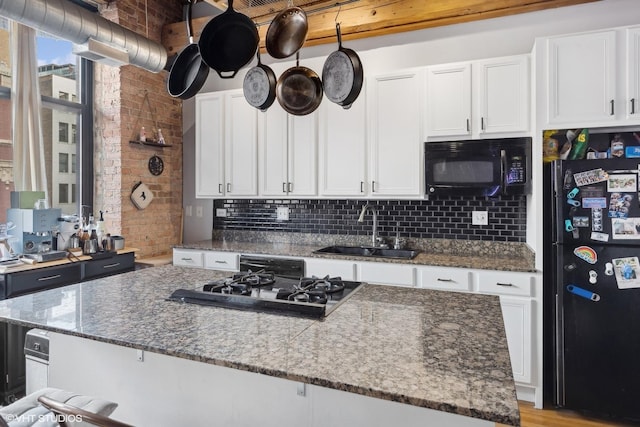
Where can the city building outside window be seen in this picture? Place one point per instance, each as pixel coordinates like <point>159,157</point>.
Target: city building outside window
<point>66,82</point>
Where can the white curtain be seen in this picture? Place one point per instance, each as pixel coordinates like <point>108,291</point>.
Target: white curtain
<point>28,145</point>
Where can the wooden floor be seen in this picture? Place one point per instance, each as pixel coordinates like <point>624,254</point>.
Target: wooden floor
<point>531,417</point>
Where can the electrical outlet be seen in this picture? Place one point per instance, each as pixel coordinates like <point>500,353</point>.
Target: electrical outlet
<point>188,210</point>
<point>199,211</point>
<point>221,212</point>
<point>282,213</point>
<point>480,218</point>
<point>140,355</point>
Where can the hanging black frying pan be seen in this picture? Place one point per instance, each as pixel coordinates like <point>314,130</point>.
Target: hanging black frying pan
<point>342,75</point>
<point>287,32</point>
<point>259,86</point>
<point>228,42</point>
<point>188,72</point>
<point>299,90</point>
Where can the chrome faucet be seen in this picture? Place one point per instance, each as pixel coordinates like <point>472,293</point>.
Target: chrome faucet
<point>376,241</point>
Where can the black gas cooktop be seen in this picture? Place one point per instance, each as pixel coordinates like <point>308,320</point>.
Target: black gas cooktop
<point>266,292</point>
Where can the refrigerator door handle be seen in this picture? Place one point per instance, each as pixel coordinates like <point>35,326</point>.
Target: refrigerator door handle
<point>503,170</point>
<point>559,379</point>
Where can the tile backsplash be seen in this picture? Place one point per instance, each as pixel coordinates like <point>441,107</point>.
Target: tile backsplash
<point>447,217</point>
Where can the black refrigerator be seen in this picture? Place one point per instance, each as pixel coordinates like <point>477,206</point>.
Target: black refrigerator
<point>596,280</point>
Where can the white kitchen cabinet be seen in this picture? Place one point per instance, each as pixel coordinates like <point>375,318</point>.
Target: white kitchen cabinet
<point>342,149</point>
<point>241,146</point>
<point>445,278</point>
<point>632,98</point>
<point>395,138</point>
<point>288,146</point>
<point>478,99</point>
<point>226,145</point>
<point>386,273</point>
<point>228,261</point>
<point>504,91</point>
<point>188,258</point>
<point>335,268</point>
<point>449,100</point>
<point>517,315</point>
<point>209,145</point>
<point>582,79</point>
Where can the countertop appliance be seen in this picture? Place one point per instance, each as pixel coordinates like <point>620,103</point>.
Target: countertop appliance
<point>33,231</point>
<point>487,167</point>
<point>596,285</point>
<point>274,285</point>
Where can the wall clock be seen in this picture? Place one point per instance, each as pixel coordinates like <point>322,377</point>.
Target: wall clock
<point>156,165</point>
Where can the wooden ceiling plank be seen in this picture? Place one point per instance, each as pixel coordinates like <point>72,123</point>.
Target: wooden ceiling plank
<point>370,18</point>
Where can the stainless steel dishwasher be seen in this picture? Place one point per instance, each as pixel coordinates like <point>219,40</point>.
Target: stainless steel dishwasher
<point>36,355</point>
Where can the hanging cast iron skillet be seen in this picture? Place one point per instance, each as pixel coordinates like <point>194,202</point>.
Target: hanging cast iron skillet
<point>188,72</point>
<point>342,75</point>
<point>299,90</point>
<point>259,86</point>
<point>228,42</point>
<point>287,33</point>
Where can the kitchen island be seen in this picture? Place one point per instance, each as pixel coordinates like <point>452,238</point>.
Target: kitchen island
<point>413,352</point>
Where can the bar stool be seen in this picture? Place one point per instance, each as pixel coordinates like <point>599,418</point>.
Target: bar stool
<point>51,407</point>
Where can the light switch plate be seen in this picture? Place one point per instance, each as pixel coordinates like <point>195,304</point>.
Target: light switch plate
<point>199,211</point>
<point>480,218</point>
<point>221,212</point>
<point>282,213</point>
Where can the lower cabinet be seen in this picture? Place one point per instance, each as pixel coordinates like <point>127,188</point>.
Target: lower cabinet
<point>222,261</point>
<point>334,268</point>
<point>26,282</point>
<point>386,273</point>
<point>116,264</point>
<point>188,258</point>
<point>518,327</point>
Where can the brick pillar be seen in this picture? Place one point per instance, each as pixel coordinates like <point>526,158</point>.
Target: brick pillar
<point>119,114</point>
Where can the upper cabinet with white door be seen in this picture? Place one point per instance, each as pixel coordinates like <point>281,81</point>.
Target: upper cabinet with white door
<point>478,99</point>
<point>288,150</point>
<point>226,146</point>
<point>590,79</point>
<point>395,134</point>
<point>342,151</point>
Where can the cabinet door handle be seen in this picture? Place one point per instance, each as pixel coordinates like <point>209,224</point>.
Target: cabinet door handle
<point>284,187</point>
<point>290,187</point>
<point>373,186</point>
<point>482,123</point>
<point>468,125</point>
<point>115,264</point>
<point>633,105</point>
<point>220,188</point>
<point>445,280</point>
<point>613,111</point>
<point>228,187</point>
<point>362,186</point>
<point>44,279</point>
<point>220,262</point>
<point>504,284</point>
<point>186,259</point>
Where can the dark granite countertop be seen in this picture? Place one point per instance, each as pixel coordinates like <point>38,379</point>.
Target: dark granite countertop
<point>441,350</point>
<point>477,259</point>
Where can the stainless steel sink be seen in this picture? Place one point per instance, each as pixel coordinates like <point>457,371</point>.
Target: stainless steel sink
<point>369,252</point>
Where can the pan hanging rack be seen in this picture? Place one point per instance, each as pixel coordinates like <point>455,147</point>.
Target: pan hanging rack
<point>262,11</point>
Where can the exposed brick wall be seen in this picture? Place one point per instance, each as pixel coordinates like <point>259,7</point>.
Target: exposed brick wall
<point>119,114</point>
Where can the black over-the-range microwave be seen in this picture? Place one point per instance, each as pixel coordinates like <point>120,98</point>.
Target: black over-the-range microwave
<point>485,167</point>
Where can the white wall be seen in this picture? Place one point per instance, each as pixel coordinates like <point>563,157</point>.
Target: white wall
<point>481,39</point>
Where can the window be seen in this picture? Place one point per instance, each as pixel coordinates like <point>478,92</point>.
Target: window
<point>63,193</point>
<point>63,162</point>
<point>63,132</point>
<point>66,85</point>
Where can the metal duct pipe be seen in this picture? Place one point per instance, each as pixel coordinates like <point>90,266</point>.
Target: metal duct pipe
<point>69,21</point>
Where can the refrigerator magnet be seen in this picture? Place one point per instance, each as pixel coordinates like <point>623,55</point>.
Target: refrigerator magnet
<point>594,202</point>
<point>583,293</point>
<point>581,221</point>
<point>596,219</point>
<point>621,183</point>
<point>586,253</point>
<point>599,237</point>
<point>627,272</point>
<point>619,205</point>
<point>625,228</point>
<point>590,177</point>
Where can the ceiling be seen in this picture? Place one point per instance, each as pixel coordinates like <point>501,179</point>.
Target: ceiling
<point>364,18</point>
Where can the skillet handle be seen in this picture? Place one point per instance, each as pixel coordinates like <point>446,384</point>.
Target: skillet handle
<point>227,76</point>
